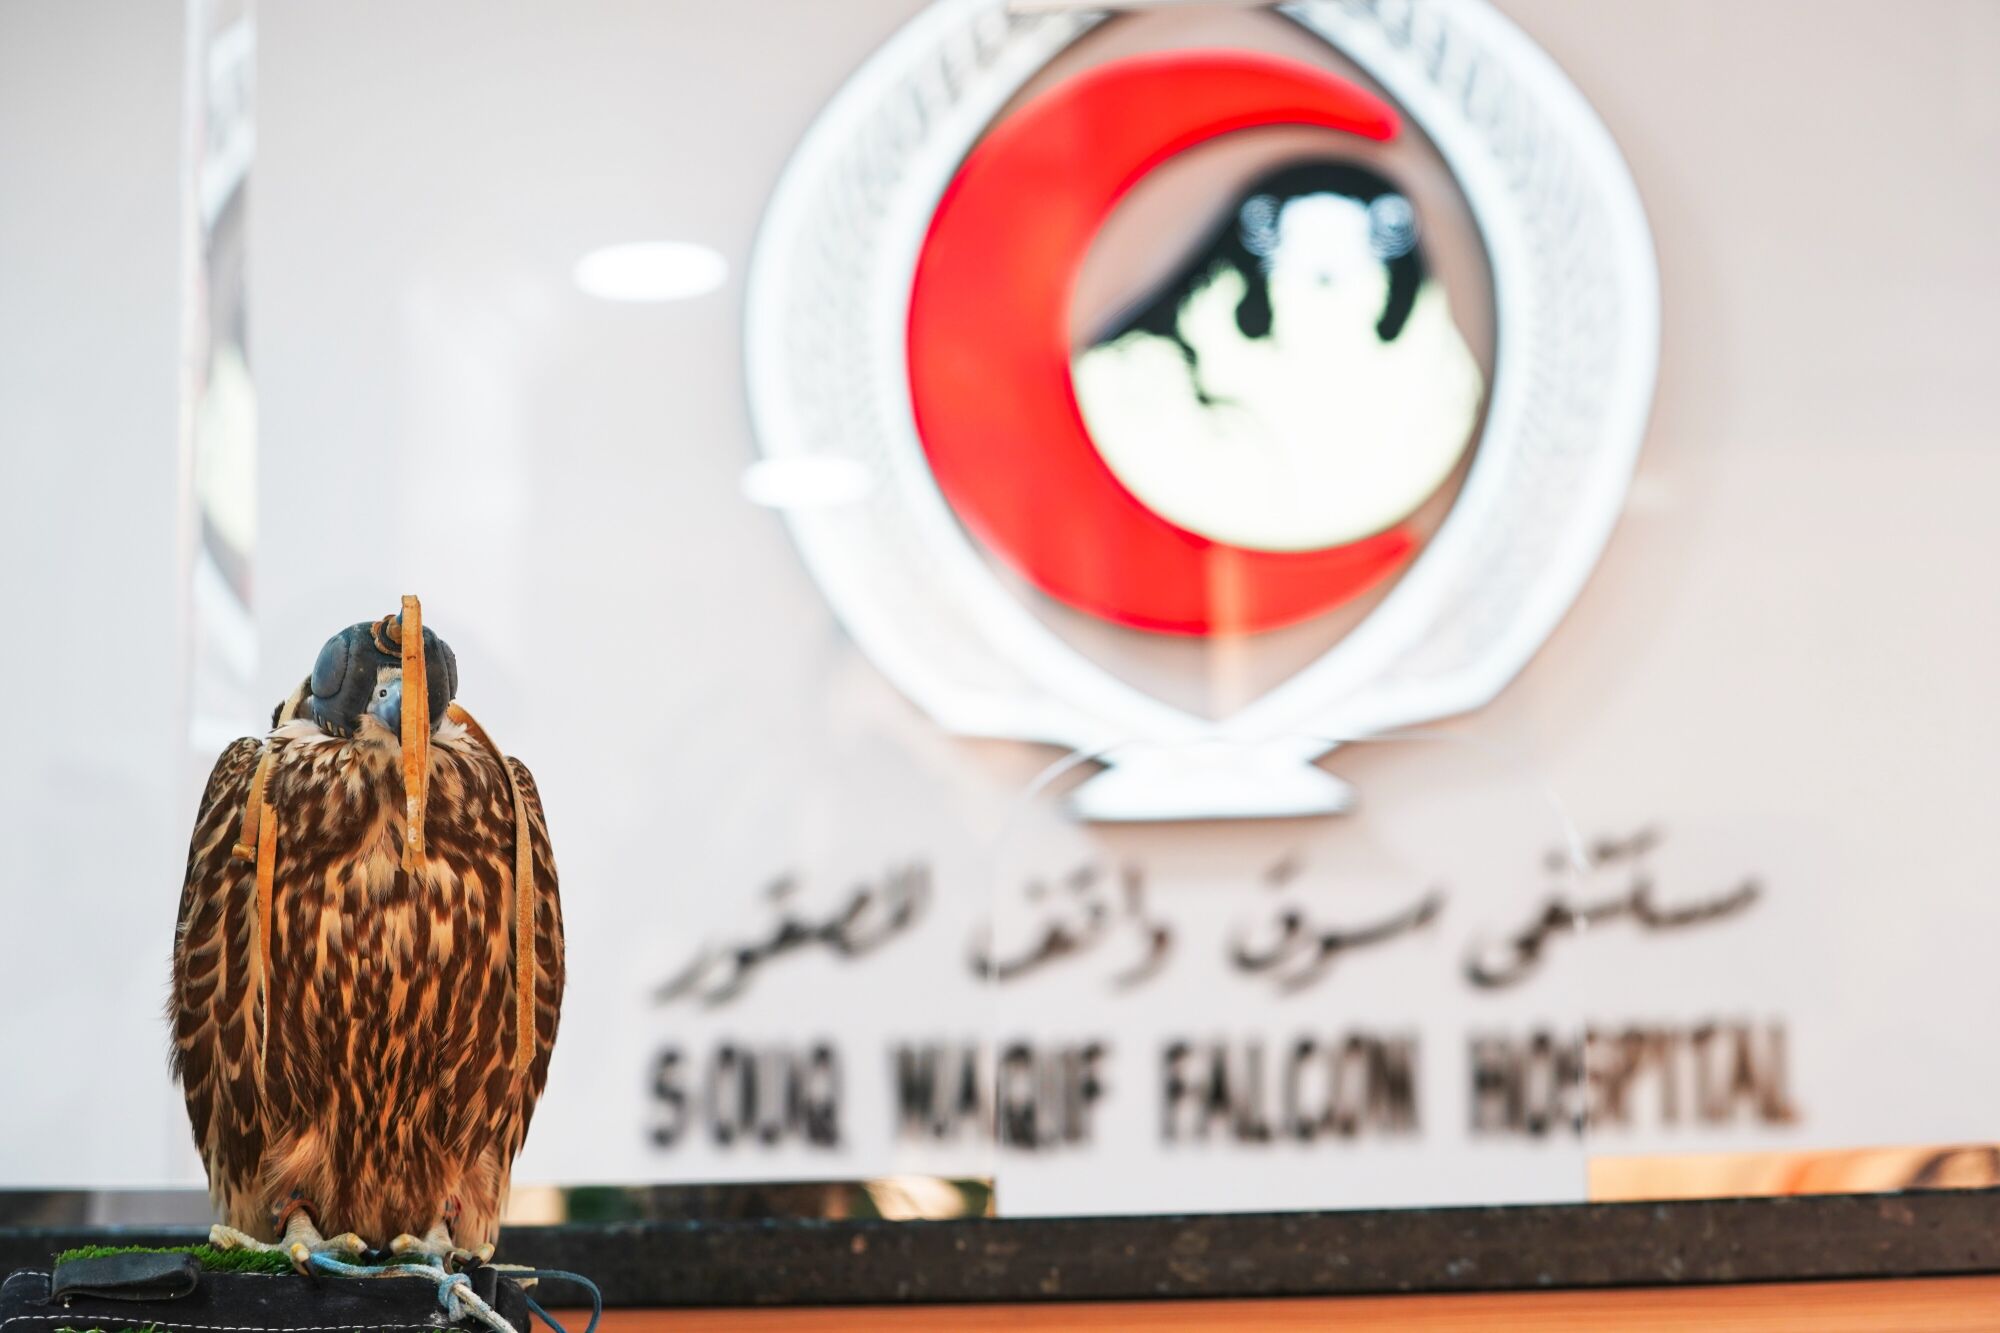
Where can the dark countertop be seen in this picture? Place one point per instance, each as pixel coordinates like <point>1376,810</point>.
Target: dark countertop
<point>809,1262</point>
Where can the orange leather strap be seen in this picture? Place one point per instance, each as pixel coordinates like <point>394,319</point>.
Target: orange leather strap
<point>259,843</point>
<point>524,895</point>
<point>416,734</point>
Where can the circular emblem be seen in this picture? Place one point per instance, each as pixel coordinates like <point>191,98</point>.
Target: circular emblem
<point>1302,383</point>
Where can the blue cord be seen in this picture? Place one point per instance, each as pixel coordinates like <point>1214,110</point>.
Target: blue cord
<point>326,1263</point>
<point>541,1314</point>
<point>559,1275</point>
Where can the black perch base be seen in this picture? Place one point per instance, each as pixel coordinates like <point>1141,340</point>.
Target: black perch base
<point>171,1293</point>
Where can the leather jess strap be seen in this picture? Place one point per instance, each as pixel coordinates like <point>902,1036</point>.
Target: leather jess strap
<point>416,733</point>
<point>258,842</point>
<point>524,893</point>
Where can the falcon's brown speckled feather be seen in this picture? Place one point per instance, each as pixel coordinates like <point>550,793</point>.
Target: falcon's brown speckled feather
<point>387,1096</point>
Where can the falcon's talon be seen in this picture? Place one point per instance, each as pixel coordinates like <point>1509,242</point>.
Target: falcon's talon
<point>436,1244</point>
<point>229,1238</point>
<point>302,1242</point>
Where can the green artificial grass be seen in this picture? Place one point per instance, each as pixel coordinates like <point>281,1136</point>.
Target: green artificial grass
<point>211,1259</point>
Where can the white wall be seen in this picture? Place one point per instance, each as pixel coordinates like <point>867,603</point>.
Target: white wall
<point>92,829</point>
<point>1788,651</point>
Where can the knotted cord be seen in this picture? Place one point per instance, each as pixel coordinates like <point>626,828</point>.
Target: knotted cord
<point>455,1291</point>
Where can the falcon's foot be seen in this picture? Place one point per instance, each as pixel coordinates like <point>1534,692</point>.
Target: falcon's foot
<point>229,1238</point>
<point>437,1244</point>
<point>301,1242</point>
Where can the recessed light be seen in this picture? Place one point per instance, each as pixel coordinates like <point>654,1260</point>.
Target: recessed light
<point>651,271</point>
<point>806,483</point>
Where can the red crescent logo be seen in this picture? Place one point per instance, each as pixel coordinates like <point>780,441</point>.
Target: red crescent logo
<point>988,346</point>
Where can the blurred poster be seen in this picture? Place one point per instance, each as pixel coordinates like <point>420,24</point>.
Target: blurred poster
<point>219,402</point>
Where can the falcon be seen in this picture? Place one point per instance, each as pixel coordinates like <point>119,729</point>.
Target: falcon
<point>1300,382</point>
<point>368,963</point>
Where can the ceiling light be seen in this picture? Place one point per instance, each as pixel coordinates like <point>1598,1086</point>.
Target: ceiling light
<point>651,271</point>
<point>813,482</point>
